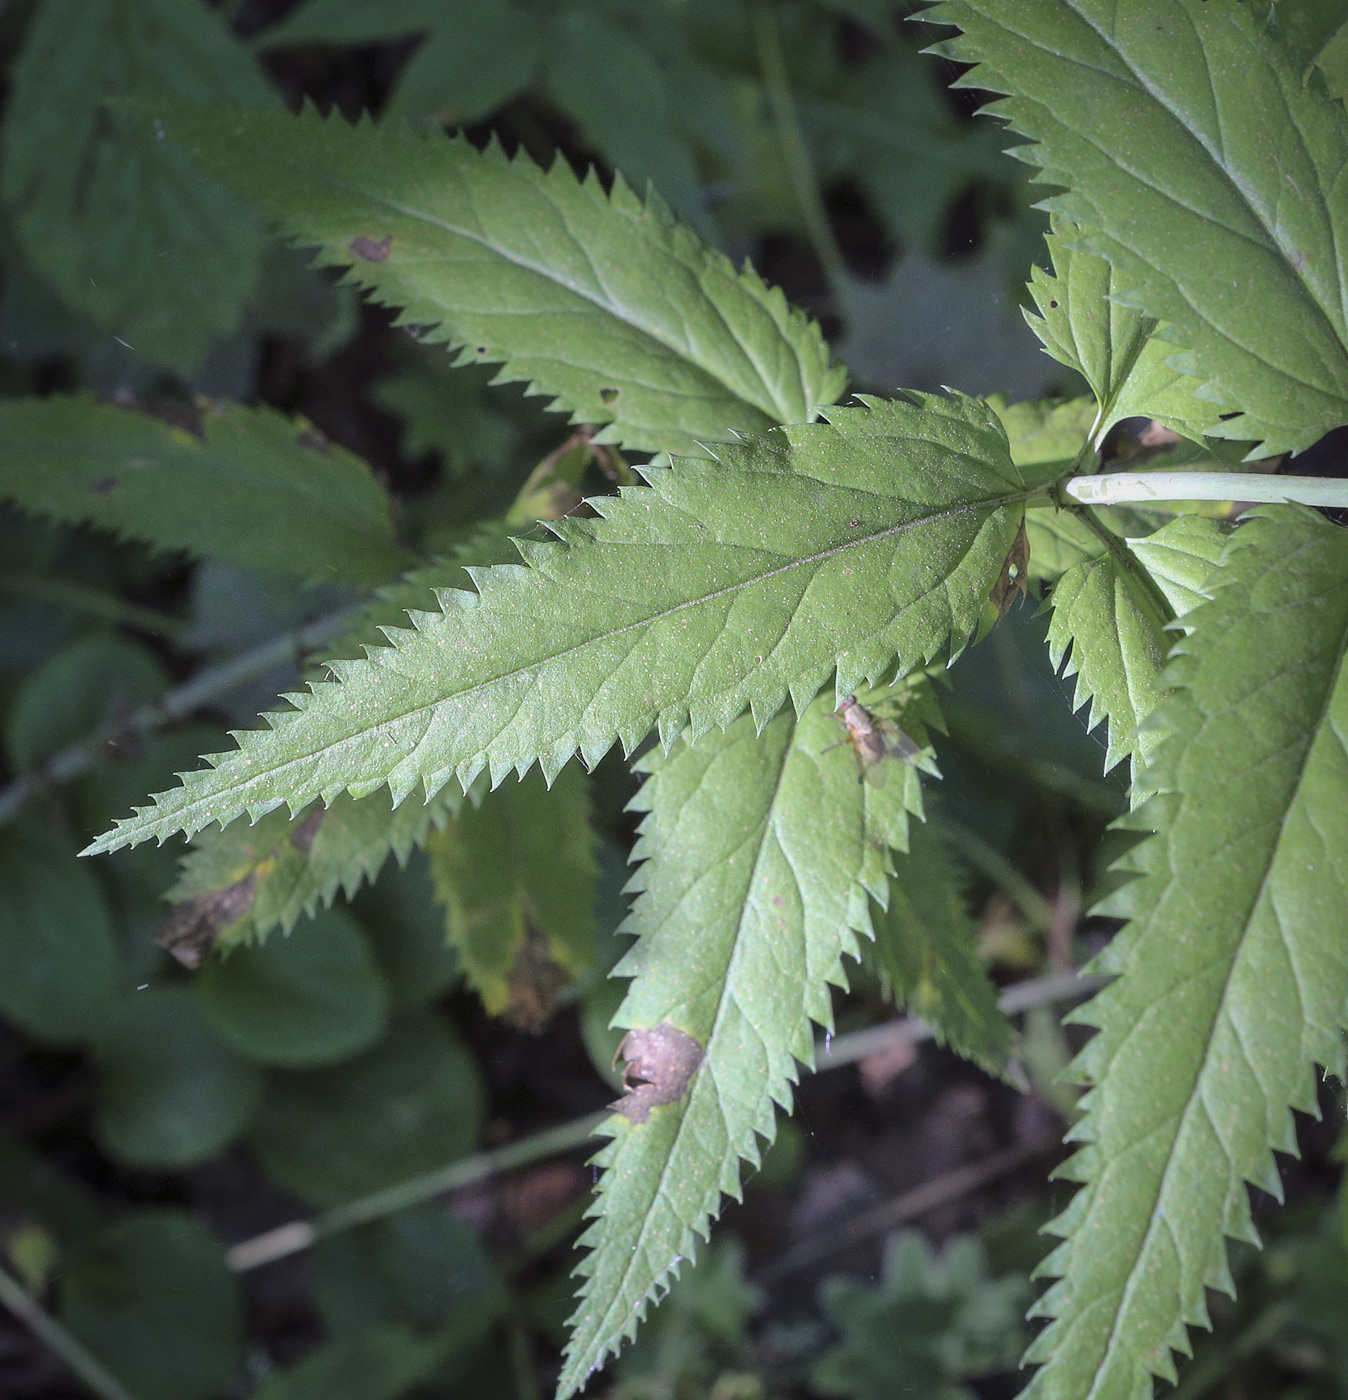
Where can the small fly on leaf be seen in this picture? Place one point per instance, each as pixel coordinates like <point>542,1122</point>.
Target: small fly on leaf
<point>873,740</point>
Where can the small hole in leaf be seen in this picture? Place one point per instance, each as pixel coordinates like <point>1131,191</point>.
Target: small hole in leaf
<point>1053,304</point>
<point>609,395</point>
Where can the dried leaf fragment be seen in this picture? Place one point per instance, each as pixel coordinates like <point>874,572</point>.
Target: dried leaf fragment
<point>192,927</point>
<point>535,980</point>
<point>1015,574</point>
<point>660,1064</point>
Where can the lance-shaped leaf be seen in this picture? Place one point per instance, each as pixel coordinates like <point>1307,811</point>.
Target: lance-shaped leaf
<point>1115,348</point>
<point>1233,974</point>
<point>724,585</point>
<point>600,300</point>
<point>1110,620</point>
<point>517,878</point>
<point>245,880</point>
<point>762,853</point>
<point>245,485</point>
<point>1203,167</point>
<point>924,948</point>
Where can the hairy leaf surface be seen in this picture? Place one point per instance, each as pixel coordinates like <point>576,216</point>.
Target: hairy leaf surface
<point>1233,974</point>
<point>722,586</point>
<point>599,300</point>
<point>924,947</point>
<point>1205,170</point>
<point>1110,620</point>
<point>248,486</point>
<point>763,851</point>
<point>118,221</point>
<point>1115,348</point>
<point>517,878</point>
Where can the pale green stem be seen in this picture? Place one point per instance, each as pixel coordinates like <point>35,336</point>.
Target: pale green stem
<point>55,1336</point>
<point>1137,488</point>
<point>799,167</point>
<point>301,1234</point>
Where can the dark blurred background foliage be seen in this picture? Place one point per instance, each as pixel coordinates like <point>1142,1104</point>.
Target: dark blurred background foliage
<point>150,1119</point>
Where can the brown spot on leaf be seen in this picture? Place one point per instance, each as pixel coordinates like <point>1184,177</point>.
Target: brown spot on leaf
<point>369,249</point>
<point>302,838</point>
<point>190,930</point>
<point>535,980</point>
<point>1015,575</point>
<point>660,1064</point>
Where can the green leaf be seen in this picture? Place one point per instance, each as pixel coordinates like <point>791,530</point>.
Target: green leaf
<point>928,1325</point>
<point>313,997</point>
<point>244,881</point>
<point>762,853</point>
<point>1201,166</point>
<point>700,1326</point>
<point>84,686</point>
<point>1181,558</point>
<point>58,956</point>
<point>600,301</point>
<point>875,537</point>
<point>1232,979</point>
<point>154,1300</point>
<point>171,1095</point>
<point>517,878</point>
<point>128,232</point>
<point>451,412</point>
<point>411,1104</point>
<point>1121,353</point>
<point>417,1268</point>
<point>247,486</point>
<point>1046,439</point>
<point>924,948</point>
<point>1046,436</point>
<point>1109,630</point>
<point>620,97</point>
<point>407,930</point>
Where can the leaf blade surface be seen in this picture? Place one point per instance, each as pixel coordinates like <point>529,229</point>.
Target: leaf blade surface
<point>599,300</point>
<point>763,851</point>
<point>1204,169</point>
<point>722,586</point>
<point>1233,977</point>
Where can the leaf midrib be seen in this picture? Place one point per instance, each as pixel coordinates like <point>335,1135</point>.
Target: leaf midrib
<point>1128,1291</point>
<point>989,505</point>
<point>766,828</point>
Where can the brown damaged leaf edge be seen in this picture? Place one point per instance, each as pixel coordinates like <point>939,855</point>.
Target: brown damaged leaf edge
<point>660,1064</point>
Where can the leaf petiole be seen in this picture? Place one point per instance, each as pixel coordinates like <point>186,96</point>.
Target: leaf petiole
<point>1121,488</point>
